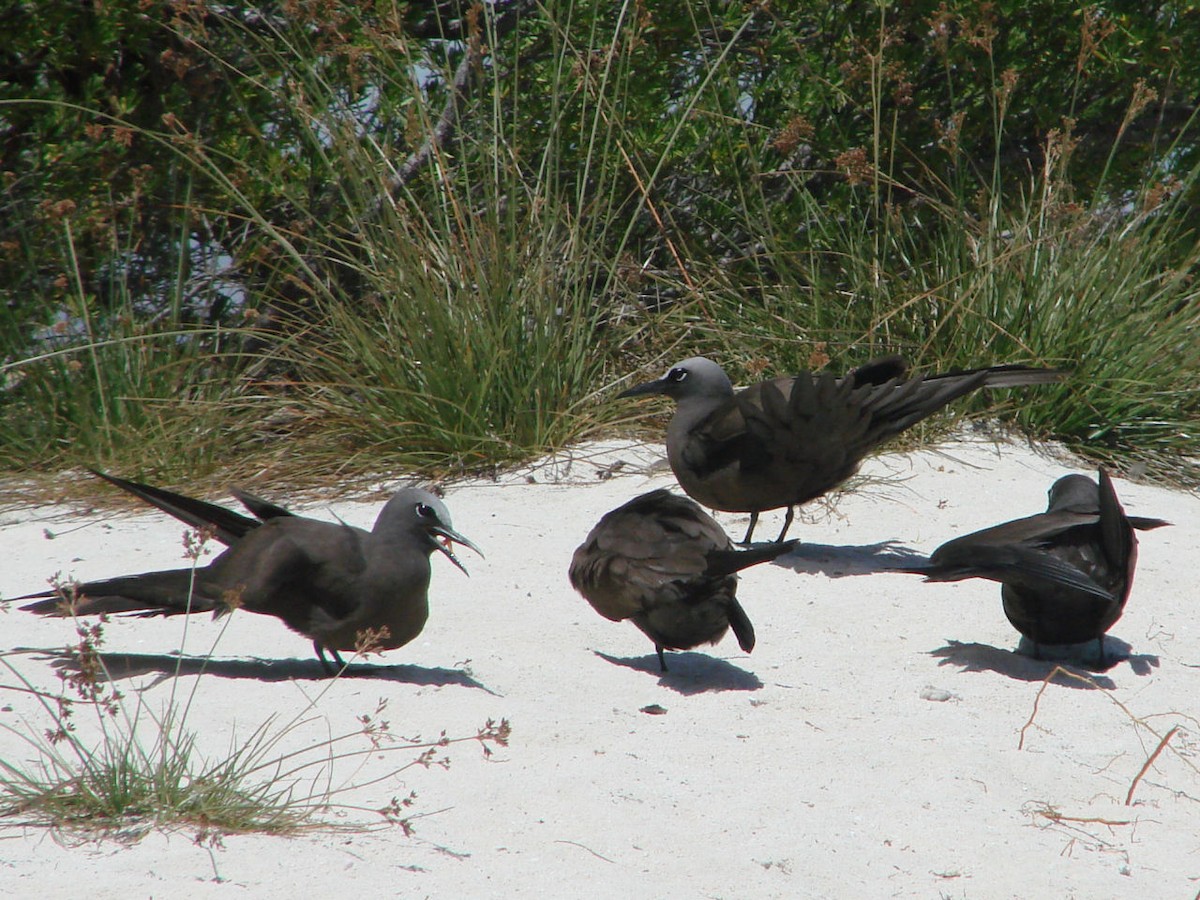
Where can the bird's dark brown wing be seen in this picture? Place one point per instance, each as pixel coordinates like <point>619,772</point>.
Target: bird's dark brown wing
<point>787,440</point>
<point>228,526</point>
<point>264,509</point>
<point>1035,529</point>
<point>292,566</point>
<point>879,371</point>
<point>1021,565</point>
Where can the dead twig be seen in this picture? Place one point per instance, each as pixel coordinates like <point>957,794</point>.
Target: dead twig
<point>588,849</point>
<point>1163,740</point>
<point>1149,762</point>
<point>1055,816</point>
<point>1057,670</point>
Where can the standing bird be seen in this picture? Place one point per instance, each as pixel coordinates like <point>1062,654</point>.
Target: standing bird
<point>789,440</point>
<point>339,585</point>
<point>666,565</point>
<point>1065,573</point>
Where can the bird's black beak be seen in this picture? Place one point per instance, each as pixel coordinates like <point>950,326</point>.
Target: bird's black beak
<point>650,387</point>
<point>449,538</point>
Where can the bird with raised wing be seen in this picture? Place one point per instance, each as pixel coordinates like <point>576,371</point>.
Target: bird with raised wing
<point>343,587</point>
<point>667,566</point>
<point>786,441</point>
<point>1065,573</point>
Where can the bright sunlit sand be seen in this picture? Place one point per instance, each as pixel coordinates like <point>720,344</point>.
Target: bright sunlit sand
<point>883,739</point>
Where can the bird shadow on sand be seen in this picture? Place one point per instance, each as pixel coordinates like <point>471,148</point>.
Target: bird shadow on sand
<point>835,561</point>
<point>972,657</point>
<point>690,673</point>
<point>120,666</point>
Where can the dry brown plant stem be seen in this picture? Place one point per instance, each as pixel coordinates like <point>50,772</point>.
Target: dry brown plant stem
<point>1148,763</point>
<point>1163,740</point>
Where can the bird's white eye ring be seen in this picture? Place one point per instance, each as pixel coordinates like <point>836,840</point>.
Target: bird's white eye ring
<point>677,374</point>
<point>425,511</point>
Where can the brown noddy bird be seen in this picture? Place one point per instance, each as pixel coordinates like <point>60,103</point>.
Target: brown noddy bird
<point>789,440</point>
<point>666,565</point>
<point>330,582</point>
<point>1065,573</point>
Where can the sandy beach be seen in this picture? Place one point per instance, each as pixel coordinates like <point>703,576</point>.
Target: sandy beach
<point>882,740</point>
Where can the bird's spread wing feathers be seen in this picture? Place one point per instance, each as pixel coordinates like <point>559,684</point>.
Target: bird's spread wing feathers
<point>1010,564</point>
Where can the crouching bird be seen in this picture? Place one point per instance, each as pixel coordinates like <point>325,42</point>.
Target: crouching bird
<point>667,566</point>
<point>1065,574</point>
<point>789,440</point>
<point>343,587</point>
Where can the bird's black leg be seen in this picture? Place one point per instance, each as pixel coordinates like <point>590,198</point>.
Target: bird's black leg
<point>787,523</point>
<point>329,669</point>
<point>1100,647</point>
<point>662,660</point>
<point>750,530</point>
<point>320,651</point>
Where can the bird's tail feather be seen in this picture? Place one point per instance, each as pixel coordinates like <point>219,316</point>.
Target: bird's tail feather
<point>1141,523</point>
<point>1016,375</point>
<point>170,592</point>
<point>726,562</point>
<point>912,401</point>
<point>740,624</point>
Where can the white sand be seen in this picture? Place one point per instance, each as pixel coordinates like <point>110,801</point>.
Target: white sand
<point>867,748</point>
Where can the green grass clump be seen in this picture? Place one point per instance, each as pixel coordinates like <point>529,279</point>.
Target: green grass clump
<point>152,400</point>
<point>458,354</point>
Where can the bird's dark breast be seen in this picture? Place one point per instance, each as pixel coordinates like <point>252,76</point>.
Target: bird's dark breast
<point>701,616</point>
<point>308,599</point>
<point>761,477</point>
<point>386,626</point>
